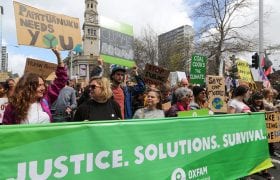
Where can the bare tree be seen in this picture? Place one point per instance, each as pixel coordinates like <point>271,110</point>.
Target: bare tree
<point>218,33</point>
<point>145,48</point>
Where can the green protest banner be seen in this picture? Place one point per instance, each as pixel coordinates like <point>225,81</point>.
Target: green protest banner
<point>198,69</point>
<point>194,113</point>
<point>116,42</point>
<point>210,147</point>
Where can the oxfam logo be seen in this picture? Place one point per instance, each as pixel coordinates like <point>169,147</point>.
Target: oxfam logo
<point>178,174</point>
<point>50,40</point>
<point>217,103</point>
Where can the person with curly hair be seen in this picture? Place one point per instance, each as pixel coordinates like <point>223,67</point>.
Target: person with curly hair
<point>101,105</point>
<point>31,100</point>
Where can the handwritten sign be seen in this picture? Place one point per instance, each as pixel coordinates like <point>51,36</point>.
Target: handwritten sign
<point>198,69</point>
<point>244,71</point>
<point>155,74</point>
<point>44,29</point>
<point>273,126</point>
<point>216,92</point>
<point>39,67</point>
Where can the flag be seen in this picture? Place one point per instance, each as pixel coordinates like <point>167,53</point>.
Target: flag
<point>266,64</point>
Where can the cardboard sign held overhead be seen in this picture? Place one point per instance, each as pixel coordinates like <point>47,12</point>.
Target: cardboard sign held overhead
<point>39,67</point>
<point>216,92</point>
<point>155,74</point>
<point>44,29</point>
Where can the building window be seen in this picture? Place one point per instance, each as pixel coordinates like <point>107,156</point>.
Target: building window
<point>88,31</point>
<point>94,32</point>
<point>87,5</point>
<point>91,5</point>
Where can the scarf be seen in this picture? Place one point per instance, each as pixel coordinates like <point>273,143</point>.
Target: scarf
<point>181,107</point>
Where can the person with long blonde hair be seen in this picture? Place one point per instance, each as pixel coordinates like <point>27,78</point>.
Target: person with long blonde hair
<point>31,100</point>
<point>101,105</point>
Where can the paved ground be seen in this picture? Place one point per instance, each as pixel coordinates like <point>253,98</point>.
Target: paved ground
<point>275,171</point>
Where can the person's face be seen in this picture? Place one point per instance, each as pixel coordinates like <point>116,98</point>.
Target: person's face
<point>184,83</point>
<point>152,99</point>
<point>118,77</point>
<point>2,91</point>
<point>202,96</point>
<point>95,90</point>
<point>40,89</point>
<point>258,102</point>
<point>187,99</point>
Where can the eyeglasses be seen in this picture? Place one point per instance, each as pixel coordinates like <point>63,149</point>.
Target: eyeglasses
<point>93,86</point>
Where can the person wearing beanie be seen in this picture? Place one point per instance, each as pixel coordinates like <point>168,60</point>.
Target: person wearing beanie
<point>123,94</point>
<point>200,98</point>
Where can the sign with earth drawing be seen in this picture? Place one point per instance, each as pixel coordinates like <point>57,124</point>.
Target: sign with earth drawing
<point>44,29</point>
<point>198,69</point>
<point>216,93</point>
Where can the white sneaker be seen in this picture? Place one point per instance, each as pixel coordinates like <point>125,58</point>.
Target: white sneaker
<point>276,154</point>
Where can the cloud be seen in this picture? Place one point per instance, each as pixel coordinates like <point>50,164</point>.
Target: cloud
<point>161,15</point>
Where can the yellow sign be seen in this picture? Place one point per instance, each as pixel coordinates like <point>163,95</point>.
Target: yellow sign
<point>41,68</point>
<point>244,71</point>
<point>44,29</point>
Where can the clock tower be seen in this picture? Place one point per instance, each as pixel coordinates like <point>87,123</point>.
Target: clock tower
<point>91,29</point>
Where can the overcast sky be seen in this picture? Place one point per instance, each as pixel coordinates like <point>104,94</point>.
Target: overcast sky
<point>161,15</point>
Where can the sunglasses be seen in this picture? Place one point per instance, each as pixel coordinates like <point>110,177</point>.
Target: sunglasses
<point>93,86</point>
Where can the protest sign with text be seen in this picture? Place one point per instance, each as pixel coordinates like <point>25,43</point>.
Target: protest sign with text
<point>273,126</point>
<point>155,74</point>
<point>198,69</point>
<point>39,67</point>
<point>216,93</point>
<point>116,42</point>
<point>220,147</point>
<point>36,27</point>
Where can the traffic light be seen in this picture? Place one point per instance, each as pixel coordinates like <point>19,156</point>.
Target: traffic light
<point>255,61</point>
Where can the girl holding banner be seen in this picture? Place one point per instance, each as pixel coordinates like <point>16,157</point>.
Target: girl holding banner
<point>31,101</point>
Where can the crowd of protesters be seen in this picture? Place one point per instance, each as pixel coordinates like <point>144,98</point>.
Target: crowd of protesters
<point>31,101</point>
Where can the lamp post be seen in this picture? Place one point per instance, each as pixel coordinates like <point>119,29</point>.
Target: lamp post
<point>261,51</point>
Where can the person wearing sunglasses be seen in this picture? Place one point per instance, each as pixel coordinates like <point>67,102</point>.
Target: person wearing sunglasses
<point>200,98</point>
<point>101,105</point>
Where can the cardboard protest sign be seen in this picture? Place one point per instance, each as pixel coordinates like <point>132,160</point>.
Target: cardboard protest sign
<point>116,42</point>
<point>273,126</point>
<point>155,74</point>
<point>36,27</point>
<point>198,69</point>
<point>39,67</point>
<point>4,76</point>
<point>216,92</point>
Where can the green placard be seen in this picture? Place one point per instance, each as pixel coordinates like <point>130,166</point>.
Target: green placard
<point>210,147</point>
<point>194,113</point>
<point>198,69</point>
<point>116,42</point>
